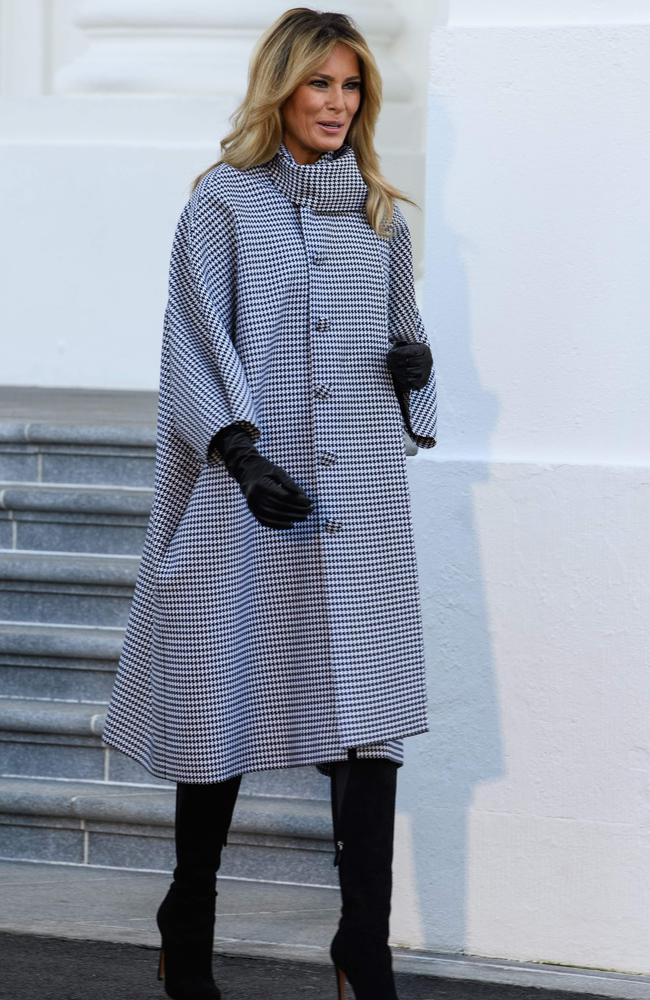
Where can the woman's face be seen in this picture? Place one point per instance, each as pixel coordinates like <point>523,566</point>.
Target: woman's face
<point>331,94</point>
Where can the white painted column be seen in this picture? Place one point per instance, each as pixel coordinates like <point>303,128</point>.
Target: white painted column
<point>530,836</point>
<point>23,48</point>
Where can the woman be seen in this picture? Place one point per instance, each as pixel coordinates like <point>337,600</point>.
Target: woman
<point>276,620</point>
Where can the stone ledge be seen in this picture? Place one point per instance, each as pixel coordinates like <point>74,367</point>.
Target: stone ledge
<point>273,816</point>
<point>75,499</point>
<point>33,432</point>
<point>30,715</point>
<point>93,568</point>
<point>27,639</point>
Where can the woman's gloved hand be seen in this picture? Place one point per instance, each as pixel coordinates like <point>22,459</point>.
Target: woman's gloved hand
<point>271,494</point>
<point>410,365</point>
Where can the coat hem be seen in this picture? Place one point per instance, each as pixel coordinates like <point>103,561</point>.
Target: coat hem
<point>173,774</point>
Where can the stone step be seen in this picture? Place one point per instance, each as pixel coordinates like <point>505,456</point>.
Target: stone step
<point>113,463</point>
<point>64,518</point>
<point>126,826</point>
<point>78,435</point>
<point>53,452</point>
<point>75,588</point>
<point>64,662</point>
<point>62,739</point>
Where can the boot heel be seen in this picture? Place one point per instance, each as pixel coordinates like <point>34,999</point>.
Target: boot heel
<point>161,964</point>
<point>340,982</point>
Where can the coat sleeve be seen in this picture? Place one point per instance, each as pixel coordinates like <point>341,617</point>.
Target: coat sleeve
<point>419,406</point>
<point>207,381</point>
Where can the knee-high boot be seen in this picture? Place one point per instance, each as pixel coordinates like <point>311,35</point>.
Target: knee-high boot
<point>186,915</point>
<point>363,814</point>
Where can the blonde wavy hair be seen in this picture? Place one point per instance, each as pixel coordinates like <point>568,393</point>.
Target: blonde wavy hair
<point>285,55</point>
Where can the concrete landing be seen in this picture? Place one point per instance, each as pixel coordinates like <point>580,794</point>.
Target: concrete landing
<point>52,404</point>
<point>254,919</point>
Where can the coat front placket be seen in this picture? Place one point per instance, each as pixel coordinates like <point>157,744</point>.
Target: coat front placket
<point>325,375</point>
<point>341,457</point>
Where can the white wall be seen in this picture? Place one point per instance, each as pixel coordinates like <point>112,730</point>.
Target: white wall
<point>526,810</point>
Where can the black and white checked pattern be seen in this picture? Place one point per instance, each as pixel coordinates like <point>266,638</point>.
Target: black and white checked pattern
<point>249,648</point>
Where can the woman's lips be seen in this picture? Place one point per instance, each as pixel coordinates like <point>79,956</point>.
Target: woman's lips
<point>330,128</point>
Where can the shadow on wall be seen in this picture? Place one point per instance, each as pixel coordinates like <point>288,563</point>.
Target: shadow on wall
<point>463,747</point>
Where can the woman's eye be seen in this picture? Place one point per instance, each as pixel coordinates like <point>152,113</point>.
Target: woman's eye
<point>354,84</point>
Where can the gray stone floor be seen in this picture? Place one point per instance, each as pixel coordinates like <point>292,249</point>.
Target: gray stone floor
<point>254,920</point>
<point>111,905</point>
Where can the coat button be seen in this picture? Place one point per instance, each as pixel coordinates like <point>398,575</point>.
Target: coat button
<point>318,259</point>
<point>322,391</point>
<point>322,324</point>
<point>327,458</point>
<point>332,525</point>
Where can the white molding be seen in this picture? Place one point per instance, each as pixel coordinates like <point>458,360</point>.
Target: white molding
<point>378,17</point>
<point>199,48</point>
<point>501,13</point>
<point>24,48</point>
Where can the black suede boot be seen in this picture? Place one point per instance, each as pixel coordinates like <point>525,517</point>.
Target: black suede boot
<point>364,822</point>
<point>186,915</point>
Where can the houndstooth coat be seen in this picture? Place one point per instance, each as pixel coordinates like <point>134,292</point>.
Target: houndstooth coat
<point>247,647</point>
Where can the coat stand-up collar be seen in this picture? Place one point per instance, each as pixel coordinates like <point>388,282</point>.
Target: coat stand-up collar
<point>332,184</point>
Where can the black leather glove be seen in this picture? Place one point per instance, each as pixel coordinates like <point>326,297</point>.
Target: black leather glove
<point>410,365</point>
<point>271,494</point>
